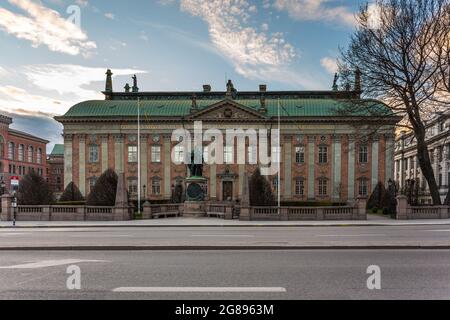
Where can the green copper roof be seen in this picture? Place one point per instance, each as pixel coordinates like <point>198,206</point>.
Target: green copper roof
<point>58,150</point>
<point>300,107</point>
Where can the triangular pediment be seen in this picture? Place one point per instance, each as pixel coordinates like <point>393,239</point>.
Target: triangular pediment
<point>227,110</point>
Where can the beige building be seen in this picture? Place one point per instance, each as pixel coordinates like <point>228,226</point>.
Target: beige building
<point>407,165</point>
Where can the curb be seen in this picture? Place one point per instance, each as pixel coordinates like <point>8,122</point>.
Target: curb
<point>214,248</point>
<point>221,225</point>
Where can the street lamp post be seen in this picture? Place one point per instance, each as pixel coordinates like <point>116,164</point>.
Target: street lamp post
<point>14,205</point>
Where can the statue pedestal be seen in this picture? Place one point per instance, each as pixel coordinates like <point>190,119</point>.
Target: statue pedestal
<point>195,204</point>
<point>194,209</point>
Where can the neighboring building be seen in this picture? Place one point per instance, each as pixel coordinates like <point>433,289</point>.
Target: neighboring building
<point>20,153</point>
<point>324,155</point>
<point>55,174</point>
<point>407,165</point>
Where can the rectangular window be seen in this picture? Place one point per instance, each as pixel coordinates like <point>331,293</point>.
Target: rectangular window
<point>323,154</point>
<point>300,154</point>
<point>156,154</point>
<point>178,154</point>
<point>156,186</point>
<point>276,154</point>
<point>132,186</point>
<point>323,187</point>
<point>228,154</point>
<point>300,187</point>
<point>132,154</point>
<point>275,184</point>
<point>363,154</point>
<point>93,153</point>
<point>363,187</point>
<point>252,155</point>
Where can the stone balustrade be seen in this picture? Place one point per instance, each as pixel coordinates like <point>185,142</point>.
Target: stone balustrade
<point>407,212</point>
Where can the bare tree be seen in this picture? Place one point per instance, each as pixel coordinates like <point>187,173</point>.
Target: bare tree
<point>403,60</point>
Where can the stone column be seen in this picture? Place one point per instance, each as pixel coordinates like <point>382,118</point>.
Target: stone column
<point>82,164</point>
<point>415,168</point>
<point>118,153</point>
<point>402,207</point>
<point>241,171</point>
<point>68,177</point>
<point>144,163</point>
<point>336,168</point>
<point>351,167</point>
<point>389,159</point>
<point>436,165</point>
<point>374,161</point>
<point>6,213</point>
<point>104,139</point>
<point>287,168</point>
<point>167,165</point>
<point>311,167</point>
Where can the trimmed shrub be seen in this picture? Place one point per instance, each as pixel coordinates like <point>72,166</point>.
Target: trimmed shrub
<point>260,190</point>
<point>104,191</point>
<point>34,190</point>
<point>71,193</point>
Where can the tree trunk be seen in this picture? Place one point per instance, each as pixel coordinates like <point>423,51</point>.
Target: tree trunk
<point>427,169</point>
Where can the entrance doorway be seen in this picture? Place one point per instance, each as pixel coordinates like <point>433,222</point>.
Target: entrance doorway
<point>227,190</point>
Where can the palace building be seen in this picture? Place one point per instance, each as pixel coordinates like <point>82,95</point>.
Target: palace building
<point>335,146</point>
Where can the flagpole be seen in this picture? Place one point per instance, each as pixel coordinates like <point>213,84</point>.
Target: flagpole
<point>279,155</point>
<point>139,154</point>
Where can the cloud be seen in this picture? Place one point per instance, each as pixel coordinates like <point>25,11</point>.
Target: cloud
<point>44,26</point>
<point>82,3</point>
<point>330,64</point>
<point>71,79</point>
<point>251,52</point>
<point>3,71</point>
<point>110,15</point>
<point>316,10</point>
<point>38,125</point>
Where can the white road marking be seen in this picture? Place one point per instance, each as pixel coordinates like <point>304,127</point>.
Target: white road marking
<point>224,235</point>
<point>351,235</point>
<point>11,234</point>
<point>443,230</point>
<point>48,263</point>
<point>199,289</point>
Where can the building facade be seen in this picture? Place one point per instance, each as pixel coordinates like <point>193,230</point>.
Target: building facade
<point>20,153</point>
<point>406,163</point>
<point>55,173</point>
<point>325,155</point>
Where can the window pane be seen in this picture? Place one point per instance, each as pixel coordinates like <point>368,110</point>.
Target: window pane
<point>156,154</point>
<point>132,154</point>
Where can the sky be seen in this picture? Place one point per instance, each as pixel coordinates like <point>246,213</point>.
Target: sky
<point>54,53</point>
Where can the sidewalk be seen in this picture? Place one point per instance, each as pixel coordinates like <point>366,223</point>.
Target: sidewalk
<point>214,222</point>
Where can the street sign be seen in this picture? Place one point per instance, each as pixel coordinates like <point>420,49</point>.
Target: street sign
<point>15,181</point>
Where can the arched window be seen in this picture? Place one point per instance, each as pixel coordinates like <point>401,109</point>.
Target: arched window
<point>30,153</point>
<point>21,152</point>
<point>11,151</point>
<point>39,155</point>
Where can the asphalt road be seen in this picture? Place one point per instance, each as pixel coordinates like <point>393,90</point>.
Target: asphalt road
<point>422,235</point>
<point>278,274</point>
